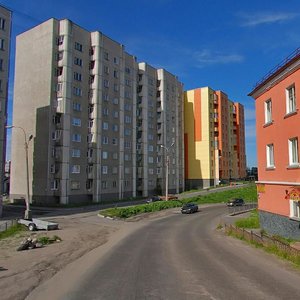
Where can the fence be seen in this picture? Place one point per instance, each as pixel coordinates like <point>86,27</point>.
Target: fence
<point>235,210</point>
<point>5,225</point>
<point>262,239</point>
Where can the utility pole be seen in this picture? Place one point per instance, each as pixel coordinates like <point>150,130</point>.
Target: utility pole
<point>28,215</point>
<point>167,167</point>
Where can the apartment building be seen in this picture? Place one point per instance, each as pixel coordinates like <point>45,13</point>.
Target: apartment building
<point>81,107</point>
<point>5,33</point>
<point>159,131</point>
<point>277,128</point>
<point>214,138</point>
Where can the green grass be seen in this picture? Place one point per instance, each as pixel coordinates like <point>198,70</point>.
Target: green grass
<point>248,193</point>
<point>273,249</point>
<point>252,222</point>
<point>46,240</point>
<point>12,231</point>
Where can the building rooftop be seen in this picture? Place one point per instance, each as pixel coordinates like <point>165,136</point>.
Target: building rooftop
<point>295,55</point>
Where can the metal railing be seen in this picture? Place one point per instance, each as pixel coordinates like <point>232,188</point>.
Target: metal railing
<point>235,210</point>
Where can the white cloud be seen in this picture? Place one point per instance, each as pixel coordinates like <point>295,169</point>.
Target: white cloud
<point>208,57</point>
<point>251,20</point>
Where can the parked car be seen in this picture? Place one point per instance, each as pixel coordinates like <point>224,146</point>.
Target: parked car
<point>189,208</point>
<point>153,199</point>
<point>236,202</point>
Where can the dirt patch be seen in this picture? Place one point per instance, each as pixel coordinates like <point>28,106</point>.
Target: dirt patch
<point>21,272</point>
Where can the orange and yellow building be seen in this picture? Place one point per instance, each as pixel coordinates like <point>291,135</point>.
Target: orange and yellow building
<point>214,138</point>
<point>277,128</point>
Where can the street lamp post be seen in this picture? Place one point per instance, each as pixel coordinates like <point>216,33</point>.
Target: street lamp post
<point>27,215</point>
<point>167,168</point>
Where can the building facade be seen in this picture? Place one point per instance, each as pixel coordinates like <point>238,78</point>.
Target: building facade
<point>277,128</point>
<point>214,138</point>
<point>5,33</point>
<point>86,101</point>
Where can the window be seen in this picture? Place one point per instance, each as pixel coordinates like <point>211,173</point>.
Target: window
<point>105,97</point>
<point>1,64</point>
<point>115,127</point>
<point>59,55</point>
<point>77,76</point>
<point>127,70</point>
<point>294,209</point>
<point>105,111</point>
<point>116,60</point>
<point>75,169</point>
<point>104,140</point>
<point>75,152</point>
<point>104,184</point>
<point>114,184</point>
<point>106,56</point>
<point>116,74</point>
<point>104,155</point>
<point>115,114</point>
<point>150,159</point>
<point>56,135</point>
<point>106,83</point>
<point>2,24</point>
<point>105,125</point>
<point>114,141</point>
<point>60,40</point>
<point>127,82</point>
<point>293,152</point>
<point>54,184</point>
<point>127,144</point>
<point>151,172</point>
<point>127,119</point>
<point>76,122</point>
<point>116,87</point>
<point>127,131</point>
<point>127,106</point>
<point>77,91</point>
<point>115,155</point>
<point>1,44</point>
<point>268,111</point>
<point>150,148</point>
<point>127,157</point>
<point>127,95</point>
<point>76,137</point>
<point>76,106</point>
<point>75,185</point>
<point>106,69</point>
<point>290,99</point>
<point>78,61</point>
<point>78,46</point>
<point>104,169</point>
<point>270,156</point>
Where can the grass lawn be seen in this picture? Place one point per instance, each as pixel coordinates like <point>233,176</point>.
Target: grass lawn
<point>13,230</point>
<point>252,222</point>
<point>248,193</point>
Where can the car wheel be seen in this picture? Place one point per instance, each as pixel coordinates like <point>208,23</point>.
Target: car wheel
<point>32,227</point>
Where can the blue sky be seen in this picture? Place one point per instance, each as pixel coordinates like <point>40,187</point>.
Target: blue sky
<point>227,45</point>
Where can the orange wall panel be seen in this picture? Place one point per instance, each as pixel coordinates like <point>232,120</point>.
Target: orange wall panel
<point>197,115</point>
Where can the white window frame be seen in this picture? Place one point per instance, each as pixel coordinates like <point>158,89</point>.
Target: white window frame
<point>75,169</point>
<point>270,156</point>
<point>295,209</point>
<point>268,111</point>
<point>75,152</point>
<point>76,122</point>
<point>104,155</point>
<point>290,93</point>
<point>293,152</point>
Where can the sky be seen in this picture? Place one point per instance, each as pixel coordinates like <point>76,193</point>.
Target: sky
<point>226,45</point>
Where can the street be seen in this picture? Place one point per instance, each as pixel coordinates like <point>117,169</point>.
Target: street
<point>176,257</point>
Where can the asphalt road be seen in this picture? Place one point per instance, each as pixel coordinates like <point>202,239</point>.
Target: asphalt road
<point>185,257</point>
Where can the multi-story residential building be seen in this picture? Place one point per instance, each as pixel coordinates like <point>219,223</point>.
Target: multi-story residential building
<point>277,128</point>
<point>81,108</point>
<point>214,138</point>
<point>159,131</point>
<point>5,33</point>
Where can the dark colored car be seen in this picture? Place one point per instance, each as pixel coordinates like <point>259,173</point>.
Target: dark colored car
<point>153,199</point>
<point>189,208</point>
<point>236,202</point>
